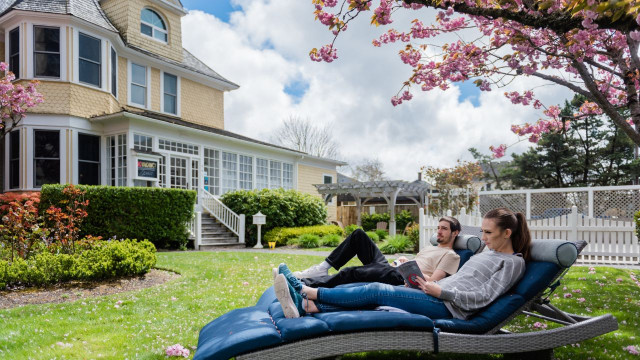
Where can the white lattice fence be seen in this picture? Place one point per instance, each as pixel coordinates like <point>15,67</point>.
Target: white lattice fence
<point>608,241</point>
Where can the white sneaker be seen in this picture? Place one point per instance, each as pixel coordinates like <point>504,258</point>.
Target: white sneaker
<point>314,271</point>
<point>281,287</point>
<point>274,272</point>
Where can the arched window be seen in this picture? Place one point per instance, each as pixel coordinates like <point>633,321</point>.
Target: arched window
<point>151,24</point>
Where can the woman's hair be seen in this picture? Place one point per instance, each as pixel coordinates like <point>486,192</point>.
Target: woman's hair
<point>454,224</point>
<point>517,223</point>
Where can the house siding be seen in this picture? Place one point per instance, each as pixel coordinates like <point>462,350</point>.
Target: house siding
<point>72,99</point>
<point>201,104</point>
<point>125,16</point>
<point>309,175</point>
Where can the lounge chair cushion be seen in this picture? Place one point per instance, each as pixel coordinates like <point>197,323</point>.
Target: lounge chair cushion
<point>560,252</point>
<point>294,329</point>
<point>462,242</point>
<point>536,278</point>
<point>368,320</point>
<point>485,320</point>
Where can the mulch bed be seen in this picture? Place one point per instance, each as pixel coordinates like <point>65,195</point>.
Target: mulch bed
<point>77,290</point>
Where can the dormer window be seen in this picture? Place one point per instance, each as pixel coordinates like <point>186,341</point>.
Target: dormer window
<point>151,24</point>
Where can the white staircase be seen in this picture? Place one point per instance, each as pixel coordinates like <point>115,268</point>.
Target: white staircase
<point>217,225</point>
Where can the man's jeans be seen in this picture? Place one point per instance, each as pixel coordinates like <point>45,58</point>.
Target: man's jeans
<point>372,295</point>
<point>375,267</point>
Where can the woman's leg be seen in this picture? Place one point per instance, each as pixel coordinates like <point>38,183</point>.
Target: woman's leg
<point>377,294</point>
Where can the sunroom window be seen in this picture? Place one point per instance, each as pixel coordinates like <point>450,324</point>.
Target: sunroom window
<point>151,24</point>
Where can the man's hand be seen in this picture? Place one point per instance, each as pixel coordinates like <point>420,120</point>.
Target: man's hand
<point>429,287</point>
<point>402,259</point>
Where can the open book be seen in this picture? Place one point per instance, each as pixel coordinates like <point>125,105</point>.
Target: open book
<point>410,270</point>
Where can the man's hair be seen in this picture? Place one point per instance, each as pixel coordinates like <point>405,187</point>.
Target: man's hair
<point>454,224</point>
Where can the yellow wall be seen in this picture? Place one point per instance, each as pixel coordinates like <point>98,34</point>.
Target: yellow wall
<point>309,175</point>
<point>125,16</point>
<point>71,99</point>
<point>155,90</point>
<point>201,104</point>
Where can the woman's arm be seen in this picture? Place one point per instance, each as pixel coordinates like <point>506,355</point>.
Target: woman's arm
<point>429,287</point>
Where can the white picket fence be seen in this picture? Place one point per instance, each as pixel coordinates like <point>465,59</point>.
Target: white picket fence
<point>608,241</point>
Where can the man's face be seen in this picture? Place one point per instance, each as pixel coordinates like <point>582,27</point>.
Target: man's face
<point>445,235</point>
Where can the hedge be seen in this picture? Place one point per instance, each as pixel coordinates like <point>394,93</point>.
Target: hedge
<point>105,260</point>
<point>282,235</point>
<point>369,221</point>
<point>157,214</point>
<point>283,208</point>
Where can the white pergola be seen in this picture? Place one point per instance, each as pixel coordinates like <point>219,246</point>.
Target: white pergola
<point>389,190</point>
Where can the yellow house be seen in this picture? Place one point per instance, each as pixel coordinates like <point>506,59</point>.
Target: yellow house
<point>126,105</point>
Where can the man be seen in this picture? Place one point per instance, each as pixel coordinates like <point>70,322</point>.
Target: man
<point>435,262</point>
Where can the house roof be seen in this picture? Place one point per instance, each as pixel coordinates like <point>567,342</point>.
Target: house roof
<point>178,121</point>
<point>91,11</point>
<point>88,10</point>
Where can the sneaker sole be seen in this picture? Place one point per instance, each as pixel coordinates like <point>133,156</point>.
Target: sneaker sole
<point>281,288</point>
<point>300,275</point>
<point>274,272</point>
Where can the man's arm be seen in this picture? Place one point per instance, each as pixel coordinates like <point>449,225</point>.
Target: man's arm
<point>437,275</point>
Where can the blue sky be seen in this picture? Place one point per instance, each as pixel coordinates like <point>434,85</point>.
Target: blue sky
<point>220,8</point>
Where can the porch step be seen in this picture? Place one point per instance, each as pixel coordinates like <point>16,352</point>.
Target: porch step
<point>221,245</point>
<point>215,235</point>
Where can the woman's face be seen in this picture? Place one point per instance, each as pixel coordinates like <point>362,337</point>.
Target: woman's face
<point>493,236</point>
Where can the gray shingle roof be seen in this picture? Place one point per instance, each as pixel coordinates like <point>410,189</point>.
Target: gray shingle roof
<point>88,10</point>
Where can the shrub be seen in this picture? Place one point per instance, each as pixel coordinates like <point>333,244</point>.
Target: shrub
<point>283,208</point>
<point>160,215</point>
<point>369,221</point>
<point>382,234</point>
<point>395,244</point>
<point>373,236</point>
<point>413,234</point>
<point>350,228</point>
<point>402,219</point>
<point>331,240</point>
<point>306,241</point>
<point>282,235</point>
<point>104,260</point>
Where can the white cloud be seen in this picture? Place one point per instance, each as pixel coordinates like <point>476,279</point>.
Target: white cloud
<point>265,46</point>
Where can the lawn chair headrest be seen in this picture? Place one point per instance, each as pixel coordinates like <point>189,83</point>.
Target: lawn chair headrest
<point>560,252</point>
<point>462,242</point>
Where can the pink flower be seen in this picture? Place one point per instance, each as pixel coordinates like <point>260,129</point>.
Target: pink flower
<point>499,151</point>
<point>631,349</point>
<point>177,350</point>
<point>567,295</point>
<point>619,280</point>
<point>581,300</point>
<point>539,325</point>
<point>245,283</point>
<point>576,291</point>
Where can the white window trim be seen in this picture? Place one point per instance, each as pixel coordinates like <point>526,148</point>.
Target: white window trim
<point>110,87</point>
<point>76,60</point>
<point>31,66</point>
<point>147,85</point>
<point>178,108</point>
<point>7,50</point>
<point>333,198</point>
<point>153,27</point>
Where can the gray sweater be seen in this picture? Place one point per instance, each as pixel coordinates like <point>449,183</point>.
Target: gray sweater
<point>480,281</point>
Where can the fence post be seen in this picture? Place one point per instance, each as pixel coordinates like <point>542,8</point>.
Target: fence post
<point>421,236</point>
<point>528,207</point>
<point>573,224</point>
<point>462,217</point>
<point>449,213</point>
<point>198,229</point>
<point>590,203</point>
<point>241,229</point>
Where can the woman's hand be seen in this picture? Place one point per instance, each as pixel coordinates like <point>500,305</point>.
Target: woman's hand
<point>402,259</point>
<point>429,287</point>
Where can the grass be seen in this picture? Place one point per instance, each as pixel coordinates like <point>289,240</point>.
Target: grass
<point>149,320</point>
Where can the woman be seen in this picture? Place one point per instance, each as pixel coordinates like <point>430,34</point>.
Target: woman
<point>480,281</point>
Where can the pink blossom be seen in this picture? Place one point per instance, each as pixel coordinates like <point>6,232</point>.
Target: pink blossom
<point>327,53</point>
<point>619,280</point>
<point>581,300</point>
<point>245,283</point>
<point>631,349</point>
<point>177,350</point>
<point>577,291</point>
<point>539,325</point>
<point>499,151</point>
<point>567,295</point>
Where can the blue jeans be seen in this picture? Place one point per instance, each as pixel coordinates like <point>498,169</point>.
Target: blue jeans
<point>377,294</point>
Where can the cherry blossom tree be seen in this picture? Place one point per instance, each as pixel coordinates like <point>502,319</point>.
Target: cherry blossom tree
<point>588,46</point>
<point>15,100</point>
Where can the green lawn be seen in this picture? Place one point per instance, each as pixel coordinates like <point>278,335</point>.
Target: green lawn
<point>148,321</point>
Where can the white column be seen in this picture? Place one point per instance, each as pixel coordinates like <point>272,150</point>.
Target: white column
<point>198,238</point>
<point>528,206</point>
<point>591,203</point>
<point>241,229</point>
<point>573,224</point>
<point>421,222</point>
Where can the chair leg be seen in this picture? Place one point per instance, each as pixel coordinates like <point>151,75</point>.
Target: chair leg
<point>533,355</point>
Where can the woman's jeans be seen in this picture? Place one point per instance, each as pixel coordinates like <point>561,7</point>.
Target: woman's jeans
<point>376,294</point>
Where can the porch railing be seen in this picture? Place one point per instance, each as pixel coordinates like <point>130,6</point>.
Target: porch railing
<point>233,221</point>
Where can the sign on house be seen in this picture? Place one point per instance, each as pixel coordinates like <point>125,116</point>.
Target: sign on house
<point>147,169</point>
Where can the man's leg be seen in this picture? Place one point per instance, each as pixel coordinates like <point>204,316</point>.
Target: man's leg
<point>383,273</point>
<point>357,244</point>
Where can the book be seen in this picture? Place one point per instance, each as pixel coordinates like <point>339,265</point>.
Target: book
<point>409,271</point>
